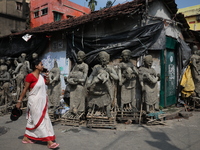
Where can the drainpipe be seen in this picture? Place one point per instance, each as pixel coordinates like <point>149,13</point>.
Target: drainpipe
<point>146,10</point>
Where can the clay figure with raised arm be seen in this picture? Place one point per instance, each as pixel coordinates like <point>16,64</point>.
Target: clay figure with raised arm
<point>39,126</point>
<point>127,80</point>
<point>195,69</point>
<point>22,69</point>
<point>54,87</point>
<point>149,83</point>
<point>101,94</point>
<point>76,80</point>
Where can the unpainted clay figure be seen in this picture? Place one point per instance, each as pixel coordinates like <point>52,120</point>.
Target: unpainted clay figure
<point>195,69</point>
<point>102,77</point>
<point>4,85</point>
<point>22,69</point>
<point>127,80</point>
<point>76,80</point>
<point>10,65</point>
<point>34,56</point>
<point>148,80</point>
<point>54,87</point>
<point>101,94</point>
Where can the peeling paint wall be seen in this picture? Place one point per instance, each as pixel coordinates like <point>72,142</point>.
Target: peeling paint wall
<point>158,10</point>
<point>57,51</point>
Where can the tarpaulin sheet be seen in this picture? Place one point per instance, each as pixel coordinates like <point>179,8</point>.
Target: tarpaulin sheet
<point>138,40</point>
<point>13,47</point>
<point>185,51</point>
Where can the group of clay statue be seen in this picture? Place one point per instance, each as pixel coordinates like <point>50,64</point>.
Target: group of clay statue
<point>106,88</point>
<point>195,70</point>
<point>12,75</point>
<point>112,86</point>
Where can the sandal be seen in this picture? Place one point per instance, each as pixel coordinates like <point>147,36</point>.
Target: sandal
<point>54,145</point>
<point>26,142</point>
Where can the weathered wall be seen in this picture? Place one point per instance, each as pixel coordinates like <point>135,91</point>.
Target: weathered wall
<point>56,50</point>
<point>160,13</point>
<point>9,7</point>
<point>7,25</point>
<point>11,19</point>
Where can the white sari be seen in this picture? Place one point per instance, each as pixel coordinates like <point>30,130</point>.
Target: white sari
<point>39,126</point>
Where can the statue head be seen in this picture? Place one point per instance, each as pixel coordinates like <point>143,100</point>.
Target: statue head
<point>4,68</point>
<point>34,55</point>
<point>80,56</point>
<point>194,49</point>
<point>8,61</point>
<point>126,55</point>
<point>22,58</point>
<point>104,58</point>
<point>2,60</point>
<point>148,60</point>
<point>23,55</point>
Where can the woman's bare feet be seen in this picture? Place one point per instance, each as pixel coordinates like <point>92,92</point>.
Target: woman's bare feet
<point>25,140</point>
<point>49,143</point>
<point>52,145</point>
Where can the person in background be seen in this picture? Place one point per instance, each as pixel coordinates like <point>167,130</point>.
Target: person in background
<point>39,126</point>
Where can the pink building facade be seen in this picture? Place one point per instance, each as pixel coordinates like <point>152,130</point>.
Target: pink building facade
<point>47,11</point>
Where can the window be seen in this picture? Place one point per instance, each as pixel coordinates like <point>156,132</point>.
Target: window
<point>57,16</point>
<point>198,17</point>
<point>36,14</point>
<point>44,11</point>
<point>19,5</point>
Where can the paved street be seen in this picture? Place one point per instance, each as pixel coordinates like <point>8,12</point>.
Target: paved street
<point>178,134</point>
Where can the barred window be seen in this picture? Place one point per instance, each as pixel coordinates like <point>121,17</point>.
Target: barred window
<point>44,11</point>
<point>36,14</point>
<point>19,6</point>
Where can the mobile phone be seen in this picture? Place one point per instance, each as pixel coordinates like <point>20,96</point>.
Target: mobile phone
<point>45,70</point>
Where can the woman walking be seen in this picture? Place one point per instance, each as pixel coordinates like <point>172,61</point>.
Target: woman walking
<point>39,126</point>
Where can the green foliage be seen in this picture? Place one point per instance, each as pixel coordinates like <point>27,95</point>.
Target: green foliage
<point>92,4</point>
<point>109,4</point>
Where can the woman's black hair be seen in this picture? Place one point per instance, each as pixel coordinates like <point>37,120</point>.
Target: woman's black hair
<point>35,63</point>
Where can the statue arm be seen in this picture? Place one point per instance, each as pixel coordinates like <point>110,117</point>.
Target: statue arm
<point>152,79</point>
<point>71,72</point>
<point>85,73</point>
<point>135,70</point>
<point>140,74</point>
<point>194,64</point>
<point>92,75</point>
<point>56,75</point>
<point>112,73</point>
<point>120,76</point>
<point>28,66</point>
<point>70,79</point>
<point>17,68</point>
<point>6,78</point>
<point>16,62</point>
